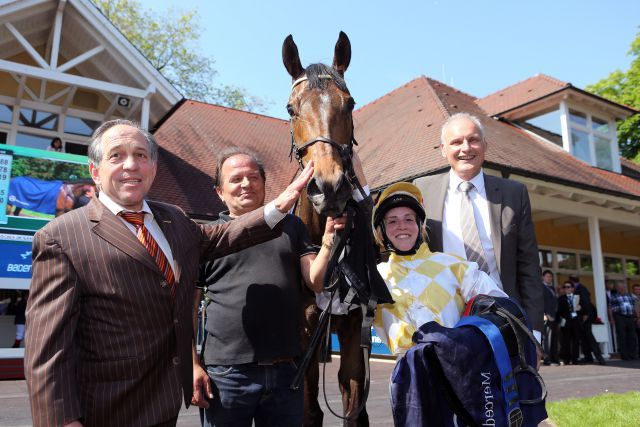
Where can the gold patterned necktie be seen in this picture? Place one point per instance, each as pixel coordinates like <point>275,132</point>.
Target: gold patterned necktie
<point>144,236</point>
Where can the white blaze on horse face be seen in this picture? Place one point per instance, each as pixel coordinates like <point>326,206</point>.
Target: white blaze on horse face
<point>325,156</point>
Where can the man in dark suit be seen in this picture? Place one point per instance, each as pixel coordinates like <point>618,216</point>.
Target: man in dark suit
<point>506,243</point>
<point>587,314</point>
<point>568,317</point>
<point>109,330</point>
<point>550,336</point>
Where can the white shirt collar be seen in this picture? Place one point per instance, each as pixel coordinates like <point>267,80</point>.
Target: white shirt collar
<point>477,181</point>
<point>115,208</point>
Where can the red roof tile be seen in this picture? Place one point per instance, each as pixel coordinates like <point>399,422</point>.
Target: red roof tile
<point>520,93</point>
<point>192,136</point>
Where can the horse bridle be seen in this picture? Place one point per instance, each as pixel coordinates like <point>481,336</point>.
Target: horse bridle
<point>345,151</point>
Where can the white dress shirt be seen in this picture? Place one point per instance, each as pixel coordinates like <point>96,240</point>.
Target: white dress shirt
<point>452,241</point>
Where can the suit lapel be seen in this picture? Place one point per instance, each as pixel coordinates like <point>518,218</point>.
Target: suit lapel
<point>437,210</point>
<point>494,197</point>
<point>164,220</point>
<point>111,228</point>
<point>438,198</point>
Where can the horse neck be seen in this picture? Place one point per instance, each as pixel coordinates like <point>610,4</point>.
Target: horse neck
<point>315,223</point>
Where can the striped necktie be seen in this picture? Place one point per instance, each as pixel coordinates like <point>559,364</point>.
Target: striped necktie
<point>144,236</point>
<point>470,236</point>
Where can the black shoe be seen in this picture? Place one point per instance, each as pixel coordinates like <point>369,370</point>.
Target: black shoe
<point>602,362</point>
<point>585,360</point>
<point>546,363</point>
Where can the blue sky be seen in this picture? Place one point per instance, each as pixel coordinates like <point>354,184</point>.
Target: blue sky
<point>476,46</point>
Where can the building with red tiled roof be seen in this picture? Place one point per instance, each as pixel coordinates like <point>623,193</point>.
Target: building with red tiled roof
<point>558,140</point>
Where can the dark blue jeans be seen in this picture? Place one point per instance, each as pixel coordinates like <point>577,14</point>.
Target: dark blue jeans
<point>252,392</point>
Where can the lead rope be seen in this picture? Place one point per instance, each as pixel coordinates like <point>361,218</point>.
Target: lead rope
<point>368,311</point>
<point>331,284</point>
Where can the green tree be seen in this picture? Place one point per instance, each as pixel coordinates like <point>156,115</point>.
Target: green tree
<point>170,43</point>
<point>624,87</point>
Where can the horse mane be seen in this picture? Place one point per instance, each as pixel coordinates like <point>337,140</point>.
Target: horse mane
<point>315,79</point>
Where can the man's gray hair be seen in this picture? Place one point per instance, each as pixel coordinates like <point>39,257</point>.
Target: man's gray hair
<point>475,120</point>
<point>95,149</point>
<point>234,151</point>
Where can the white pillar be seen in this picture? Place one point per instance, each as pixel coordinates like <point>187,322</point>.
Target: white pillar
<point>600,293</point>
<point>564,126</point>
<point>144,113</point>
<point>146,105</point>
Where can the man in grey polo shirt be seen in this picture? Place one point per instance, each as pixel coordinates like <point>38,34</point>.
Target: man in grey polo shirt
<point>253,319</point>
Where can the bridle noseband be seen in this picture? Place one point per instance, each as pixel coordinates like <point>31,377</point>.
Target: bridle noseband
<point>345,151</point>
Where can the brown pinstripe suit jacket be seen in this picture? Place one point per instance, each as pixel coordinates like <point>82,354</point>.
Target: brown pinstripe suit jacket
<point>104,343</point>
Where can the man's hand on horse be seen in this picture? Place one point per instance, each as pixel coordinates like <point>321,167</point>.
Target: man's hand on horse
<point>202,389</point>
<point>285,201</point>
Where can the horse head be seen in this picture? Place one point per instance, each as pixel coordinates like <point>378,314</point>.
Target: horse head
<point>320,108</point>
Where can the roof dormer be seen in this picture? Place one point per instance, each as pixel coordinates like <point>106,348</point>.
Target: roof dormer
<point>580,122</point>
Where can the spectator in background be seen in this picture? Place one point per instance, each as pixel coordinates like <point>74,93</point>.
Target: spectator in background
<point>550,334</point>
<point>56,145</point>
<point>559,292</point>
<point>623,307</point>
<point>636,296</point>
<point>568,308</point>
<point>20,305</point>
<point>587,314</point>
<point>610,287</point>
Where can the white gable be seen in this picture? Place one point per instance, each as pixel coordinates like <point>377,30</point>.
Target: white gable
<point>64,57</point>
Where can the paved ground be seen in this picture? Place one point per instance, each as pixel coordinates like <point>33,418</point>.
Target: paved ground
<point>562,382</point>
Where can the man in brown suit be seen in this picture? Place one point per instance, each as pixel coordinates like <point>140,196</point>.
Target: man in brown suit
<point>109,328</point>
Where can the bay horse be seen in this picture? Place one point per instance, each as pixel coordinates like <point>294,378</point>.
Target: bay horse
<point>320,108</point>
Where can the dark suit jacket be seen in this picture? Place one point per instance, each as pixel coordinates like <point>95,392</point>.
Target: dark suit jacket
<point>550,302</point>
<point>104,342</point>
<point>586,307</point>
<point>564,309</point>
<point>512,235</point>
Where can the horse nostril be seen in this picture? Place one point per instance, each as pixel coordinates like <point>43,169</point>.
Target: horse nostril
<point>312,188</point>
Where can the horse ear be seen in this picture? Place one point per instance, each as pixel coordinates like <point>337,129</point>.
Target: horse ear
<point>342,54</point>
<point>290,58</point>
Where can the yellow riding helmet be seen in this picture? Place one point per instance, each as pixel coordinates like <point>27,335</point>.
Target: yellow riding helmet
<point>398,194</point>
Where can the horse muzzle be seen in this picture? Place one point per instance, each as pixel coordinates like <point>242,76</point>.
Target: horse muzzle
<point>329,198</point>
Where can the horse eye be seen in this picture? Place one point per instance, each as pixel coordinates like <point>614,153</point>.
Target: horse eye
<point>290,110</point>
<point>350,104</point>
